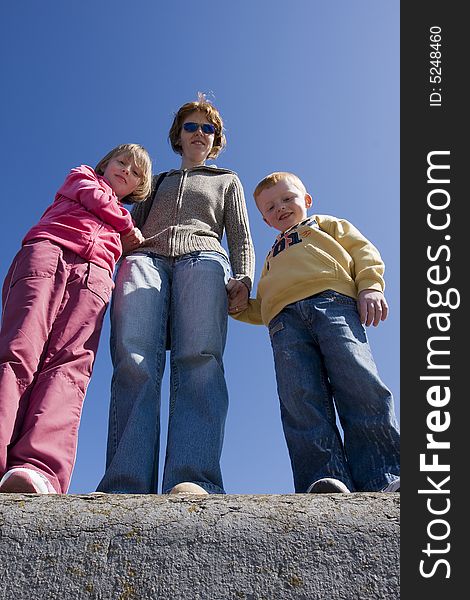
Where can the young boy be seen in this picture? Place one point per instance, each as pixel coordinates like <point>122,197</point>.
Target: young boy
<point>320,284</point>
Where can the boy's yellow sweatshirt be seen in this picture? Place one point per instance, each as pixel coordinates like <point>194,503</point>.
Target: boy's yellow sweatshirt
<point>320,253</point>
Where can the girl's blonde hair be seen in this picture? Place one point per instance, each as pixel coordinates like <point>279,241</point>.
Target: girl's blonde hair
<point>142,161</point>
<point>213,116</point>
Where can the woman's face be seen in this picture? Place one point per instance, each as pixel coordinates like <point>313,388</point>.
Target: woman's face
<point>196,145</point>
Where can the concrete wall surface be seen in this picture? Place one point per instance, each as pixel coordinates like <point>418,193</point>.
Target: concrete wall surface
<point>139,547</point>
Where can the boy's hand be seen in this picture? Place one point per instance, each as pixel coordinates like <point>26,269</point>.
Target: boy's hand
<point>132,240</point>
<point>238,295</point>
<point>372,307</point>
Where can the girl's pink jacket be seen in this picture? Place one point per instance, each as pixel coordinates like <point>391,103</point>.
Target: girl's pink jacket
<point>85,217</point>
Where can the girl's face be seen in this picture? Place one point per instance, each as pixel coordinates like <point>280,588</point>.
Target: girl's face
<point>123,175</point>
<point>196,145</point>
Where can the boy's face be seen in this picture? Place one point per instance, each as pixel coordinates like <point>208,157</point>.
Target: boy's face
<point>283,205</point>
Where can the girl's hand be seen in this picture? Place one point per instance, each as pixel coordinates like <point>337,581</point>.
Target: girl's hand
<point>132,240</point>
<point>372,307</point>
<point>238,295</point>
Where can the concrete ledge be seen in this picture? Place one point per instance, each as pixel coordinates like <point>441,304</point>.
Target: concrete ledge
<point>314,547</point>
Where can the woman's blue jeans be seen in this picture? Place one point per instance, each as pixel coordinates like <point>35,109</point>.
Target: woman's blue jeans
<point>184,298</point>
<point>323,360</point>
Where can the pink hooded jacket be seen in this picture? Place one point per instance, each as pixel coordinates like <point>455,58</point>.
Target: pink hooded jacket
<point>86,218</point>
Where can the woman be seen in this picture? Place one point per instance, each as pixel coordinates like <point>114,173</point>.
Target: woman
<point>173,290</point>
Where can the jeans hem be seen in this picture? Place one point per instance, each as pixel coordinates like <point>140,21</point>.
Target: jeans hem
<point>376,485</point>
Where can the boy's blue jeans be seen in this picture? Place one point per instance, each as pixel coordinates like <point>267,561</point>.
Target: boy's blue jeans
<point>188,295</point>
<point>322,360</point>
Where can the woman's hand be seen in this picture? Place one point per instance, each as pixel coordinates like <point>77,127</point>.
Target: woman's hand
<point>238,295</point>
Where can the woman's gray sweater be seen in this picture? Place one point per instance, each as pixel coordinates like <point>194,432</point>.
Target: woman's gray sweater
<point>191,210</point>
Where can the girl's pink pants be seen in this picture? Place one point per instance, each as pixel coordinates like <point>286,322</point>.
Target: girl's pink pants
<point>53,308</point>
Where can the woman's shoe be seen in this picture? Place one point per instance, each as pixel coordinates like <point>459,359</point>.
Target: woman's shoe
<point>188,488</point>
<point>328,485</point>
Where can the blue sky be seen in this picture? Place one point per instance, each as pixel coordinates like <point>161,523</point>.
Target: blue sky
<point>308,86</point>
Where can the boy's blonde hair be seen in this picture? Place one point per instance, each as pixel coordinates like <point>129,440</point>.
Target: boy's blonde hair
<point>276,177</point>
<point>142,161</point>
<point>213,116</point>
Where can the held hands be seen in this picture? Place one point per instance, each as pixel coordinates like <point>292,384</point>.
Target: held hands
<point>238,295</point>
<point>372,307</point>
<point>132,240</point>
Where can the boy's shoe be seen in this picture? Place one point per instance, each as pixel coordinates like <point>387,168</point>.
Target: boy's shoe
<point>25,481</point>
<point>188,488</point>
<point>394,486</point>
<point>328,485</point>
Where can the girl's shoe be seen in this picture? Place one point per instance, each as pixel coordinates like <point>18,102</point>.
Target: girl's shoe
<point>328,485</point>
<point>25,481</point>
<point>188,488</point>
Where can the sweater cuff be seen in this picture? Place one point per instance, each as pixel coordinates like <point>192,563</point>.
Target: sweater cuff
<point>244,279</point>
<point>370,284</point>
<point>127,229</point>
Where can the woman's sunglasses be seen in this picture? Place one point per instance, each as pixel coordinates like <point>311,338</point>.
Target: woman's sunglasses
<point>206,128</point>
